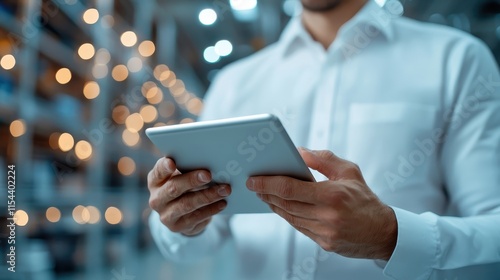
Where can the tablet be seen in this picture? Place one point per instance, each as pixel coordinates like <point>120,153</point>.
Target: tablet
<point>233,150</point>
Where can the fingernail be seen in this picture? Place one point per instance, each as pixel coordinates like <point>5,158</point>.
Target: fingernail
<point>202,176</point>
<point>251,184</point>
<point>168,165</point>
<point>305,149</point>
<point>222,191</point>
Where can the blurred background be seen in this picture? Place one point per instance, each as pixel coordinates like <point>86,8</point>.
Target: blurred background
<point>80,81</point>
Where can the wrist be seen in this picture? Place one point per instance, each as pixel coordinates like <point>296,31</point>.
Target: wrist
<point>390,234</point>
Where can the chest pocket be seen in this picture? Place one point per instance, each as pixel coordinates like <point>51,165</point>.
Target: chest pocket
<point>392,143</point>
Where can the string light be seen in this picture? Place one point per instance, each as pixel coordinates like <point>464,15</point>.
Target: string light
<point>86,51</point>
<point>128,38</point>
<point>66,142</point>
<point>113,215</point>
<point>21,218</point>
<point>147,48</point>
<point>134,122</point>
<point>63,76</point>
<point>83,150</point>
<point>126,166</point>
<point>130,138</point>
<point>91,90</point>
<point>100,71</point>
<point>91,16</point>
<point>194,106</point>
<point>120,73</point>
<point>120,114</point>
<point>167,109</point>
<point>80,214</point>
<point>8,62</point>
<point>94,215</point>
<point>53,214</point>
<point>149,113</point>
<point>54,140</point>
<point>17,128</point>
<point>134,64</point>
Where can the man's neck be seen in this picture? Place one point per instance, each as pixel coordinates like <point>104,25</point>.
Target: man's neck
<point>324,26</point>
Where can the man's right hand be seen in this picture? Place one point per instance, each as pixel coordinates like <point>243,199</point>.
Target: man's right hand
<point>182,205</point>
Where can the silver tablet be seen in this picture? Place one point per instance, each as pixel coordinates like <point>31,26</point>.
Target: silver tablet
<point>233,150</point>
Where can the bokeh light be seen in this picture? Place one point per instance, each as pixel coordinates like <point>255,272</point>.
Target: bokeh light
<point>83,150</point>
<point>149,113</point>
<point>17,128</point>
<point>120,73</point>
<point>63,76</point>
<point>21,218</point>
<point>147,48</point>
<point>126,166</point>
<point>53,214</point>
<point>66,142</point>
<point>8,62</point>
<point>120,114</point>
<point>86,51</point>
<point>91,16</point>
<point>130,138</point>
<point>91,90</point>
<point>113,215</point>
<point>128,38</point>
<point>134,122</point>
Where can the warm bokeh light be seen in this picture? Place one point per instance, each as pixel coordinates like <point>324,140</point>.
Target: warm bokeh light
<point>159,69</point>
<point>149,113</point>
<point>158,124</point>
<point>128,38</point>
<point>130,138</point>
<point>91,16</point>
<point>120,114</point>
<point>8,62</point>
<point>83,150</point>
<point>100,71</point>
<point>103,56</point>
<point>134,122</point>
<point>147,48</point>
<point>66,142</point>
<point>86,51</point>
<point>155,96</point>
<point>63,76</point>
<point>168,79</point>
<point>187,120</point>
<point>183,98</point>
<point>91,90</point>
<point>53,214</point>
<point>134,64</point>
<point>21,218</point>
<point>126,166</point>
<point>120,73</point>
<point>54,140</point>
<point>17,128</point>
<point>194,106</point>
<point>80,214</point>
<point>178,88</point>
<point>94,214</point>
<point>167,109</point>
<point>113,215</point>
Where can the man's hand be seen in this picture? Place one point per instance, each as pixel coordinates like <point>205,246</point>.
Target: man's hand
<point>180,199</point>
<point>341,214</point>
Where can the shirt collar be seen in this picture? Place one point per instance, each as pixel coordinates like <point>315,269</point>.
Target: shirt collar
<point>370,19</point>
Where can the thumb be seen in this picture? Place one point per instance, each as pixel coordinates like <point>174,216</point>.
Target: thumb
<point>324,161</point>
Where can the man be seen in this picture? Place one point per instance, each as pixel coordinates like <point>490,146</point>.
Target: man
<point>416,106</point>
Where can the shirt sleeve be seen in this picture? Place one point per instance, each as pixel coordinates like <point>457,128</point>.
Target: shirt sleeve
<point>470,162</point>
<point>183,249</point>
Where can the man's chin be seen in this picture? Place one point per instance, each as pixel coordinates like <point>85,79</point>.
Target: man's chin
<point>320,5</point>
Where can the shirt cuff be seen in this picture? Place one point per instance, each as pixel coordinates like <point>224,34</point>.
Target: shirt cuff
<point>416,248</point>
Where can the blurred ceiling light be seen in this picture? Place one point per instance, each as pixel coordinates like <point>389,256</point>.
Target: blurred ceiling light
<point>17,128</point>
<point>167,109</point>
<point>194,106</point>
<point>130,138</point>
<point>147,48</point>
<point>113,215</point>
<point>91,16</point>
<point>94,214</point>
<point>207,17</point>
<point>66,142</point>
<point>243,5</point>
<point>134,64</point>
<point>149,113</point>
<point>91,90</point>
<point>100,71</point>
<point>21,218</point>
<point>53,214</point>
<point>120,114</point>
<point>223,48</point>
<point>80,214</point>
<point>128,38</point>
<point>83,150</point>
<point>53,140</point>
<point>126,166</point>
<point>210,55</point>
<point>120,73</point>
<point>8,62</point>
<point>102,56</point>
<point>86,51</point>
<point>63,76</point>
<point>134,122</point>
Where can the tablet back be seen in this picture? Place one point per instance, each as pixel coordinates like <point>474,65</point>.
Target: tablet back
<point>232,150</point>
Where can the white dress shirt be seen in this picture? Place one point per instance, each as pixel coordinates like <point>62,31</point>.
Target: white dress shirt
<point>415,105</point>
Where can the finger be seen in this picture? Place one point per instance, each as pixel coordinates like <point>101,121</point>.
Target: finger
<point>295,221</point>
<point>201,215</point>
<point>284,187</point>
<point>180,184</point>
<point>191,202</point>
<point>296,208</point>
<point>161,172</point>
<point>199,228</point>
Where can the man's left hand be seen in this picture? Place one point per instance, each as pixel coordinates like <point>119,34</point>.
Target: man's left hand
<point>341,214</point>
